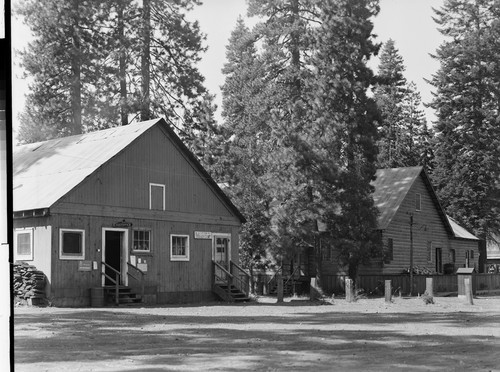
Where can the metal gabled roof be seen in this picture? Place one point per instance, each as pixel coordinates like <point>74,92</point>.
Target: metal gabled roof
<point>459,231</point>
<point>43,172</point>
<point>391,187</point>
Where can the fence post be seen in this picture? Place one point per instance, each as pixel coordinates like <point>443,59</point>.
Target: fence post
<point>388,291</point>
<point>468,291</point>
<point>429,286</point>
<point>279,279</point>
<point>349,290</point>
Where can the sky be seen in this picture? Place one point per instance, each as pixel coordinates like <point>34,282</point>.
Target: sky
<point>408,22</point>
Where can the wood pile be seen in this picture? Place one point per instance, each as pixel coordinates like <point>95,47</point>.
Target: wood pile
<point>29,283</point>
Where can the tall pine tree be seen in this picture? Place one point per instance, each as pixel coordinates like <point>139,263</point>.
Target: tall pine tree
<point>467,104</point>
<point>404,138</point>
<point>105,63</point>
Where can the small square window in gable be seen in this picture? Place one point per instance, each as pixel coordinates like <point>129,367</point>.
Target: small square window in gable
<point>157,196</point>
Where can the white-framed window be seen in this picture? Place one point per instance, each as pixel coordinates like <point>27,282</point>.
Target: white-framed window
<point>179,247</point>
<point>157,196</point>
<point>23,244</point>
<point>71,244</point>
<point>141,240</point>
<point>418,202</point>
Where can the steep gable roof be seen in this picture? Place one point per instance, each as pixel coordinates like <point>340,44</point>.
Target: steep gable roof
<point>44,172</point>
<point>391,187</point>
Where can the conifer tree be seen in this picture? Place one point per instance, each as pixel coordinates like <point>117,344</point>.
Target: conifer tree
<point>467,104</point>
<point>104,63</point>
<point>320,151</point>
<point>404,139</point>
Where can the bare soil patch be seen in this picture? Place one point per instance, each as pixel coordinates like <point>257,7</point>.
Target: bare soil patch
<point>298,335</point>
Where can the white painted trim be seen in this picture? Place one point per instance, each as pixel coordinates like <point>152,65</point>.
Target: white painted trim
<point>28,230</point>
<point>156,185</point>
<point>188,248</point>
<point>62,256</point>
<point>124,247</point>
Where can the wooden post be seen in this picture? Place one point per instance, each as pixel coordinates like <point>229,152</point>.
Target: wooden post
<point>349,290</point>
<point>429,286</point>
<point>388,291</point>
<point>468,291</point>
<point>279,278</point>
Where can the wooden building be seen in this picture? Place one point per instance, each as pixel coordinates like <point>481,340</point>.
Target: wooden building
<point>128,206</point>
<point>411,220</point>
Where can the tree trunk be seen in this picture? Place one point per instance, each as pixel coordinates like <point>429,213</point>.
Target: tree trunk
<point>145,58</point>
<point>76,89</point>
<point>122,66</point>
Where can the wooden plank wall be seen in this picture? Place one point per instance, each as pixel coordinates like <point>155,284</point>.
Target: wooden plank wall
<point>170,278</point>
<point>153,158</point>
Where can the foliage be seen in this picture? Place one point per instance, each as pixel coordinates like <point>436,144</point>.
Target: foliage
<point>301,127</point>
<point>405,139</point>
<point>467,105</point>
<point>97,64</point>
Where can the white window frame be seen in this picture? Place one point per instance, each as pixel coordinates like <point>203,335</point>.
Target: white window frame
<point>179,257</point>
<point>151,185</point>
<point>24,257</point>
<point>141,250</point>
<point>418,197</point>
<point>65,256</point>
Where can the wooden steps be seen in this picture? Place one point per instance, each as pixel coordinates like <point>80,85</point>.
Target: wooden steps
<point>125,296</point>
<point>230,294</point>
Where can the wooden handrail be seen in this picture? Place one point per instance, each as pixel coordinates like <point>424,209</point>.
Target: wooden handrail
<point>223,269</point>
<point>244,284</point>
<point>116,281</point>
<point>133,276</point>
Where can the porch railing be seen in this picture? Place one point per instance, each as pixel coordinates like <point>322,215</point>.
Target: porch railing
<point>116,280</point>
<point>241,277</point>
<point>142,275</point>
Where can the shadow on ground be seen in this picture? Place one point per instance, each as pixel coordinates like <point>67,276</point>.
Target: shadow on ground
<point>115,340</point>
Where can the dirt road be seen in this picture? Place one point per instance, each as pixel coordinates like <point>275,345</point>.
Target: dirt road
<point>368,335</point>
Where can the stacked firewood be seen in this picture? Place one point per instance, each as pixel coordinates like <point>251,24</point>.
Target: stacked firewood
<point>29,283</point>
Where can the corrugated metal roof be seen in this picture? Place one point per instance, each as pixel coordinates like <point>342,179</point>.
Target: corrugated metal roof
<point>44,172</point>
<point>459,231</point>
<point>391,186</point>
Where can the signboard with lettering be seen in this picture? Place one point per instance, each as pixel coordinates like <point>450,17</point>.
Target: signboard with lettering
<point>84,265</point>
<point>202,235</point>
<point>122,224</point>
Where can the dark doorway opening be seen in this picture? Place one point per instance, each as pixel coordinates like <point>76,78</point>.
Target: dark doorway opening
<point>113,254</point>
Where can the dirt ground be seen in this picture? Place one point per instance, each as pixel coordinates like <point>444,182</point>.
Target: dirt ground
<point>297,335</point>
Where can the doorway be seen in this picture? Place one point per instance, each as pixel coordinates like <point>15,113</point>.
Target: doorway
<point>221,248</point>
<point>439,261</point>
<point>115,255</point>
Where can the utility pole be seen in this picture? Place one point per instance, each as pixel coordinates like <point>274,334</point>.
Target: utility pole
<point>411,254</point>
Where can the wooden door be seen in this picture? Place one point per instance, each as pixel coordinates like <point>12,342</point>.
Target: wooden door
<point>221,250</point>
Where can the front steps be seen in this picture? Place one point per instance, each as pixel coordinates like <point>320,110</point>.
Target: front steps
<point>125,296</point>
<point>230,293</point>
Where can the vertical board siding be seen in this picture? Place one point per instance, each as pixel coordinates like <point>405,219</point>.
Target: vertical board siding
<point>152,158</point>
<point>162,276</point>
